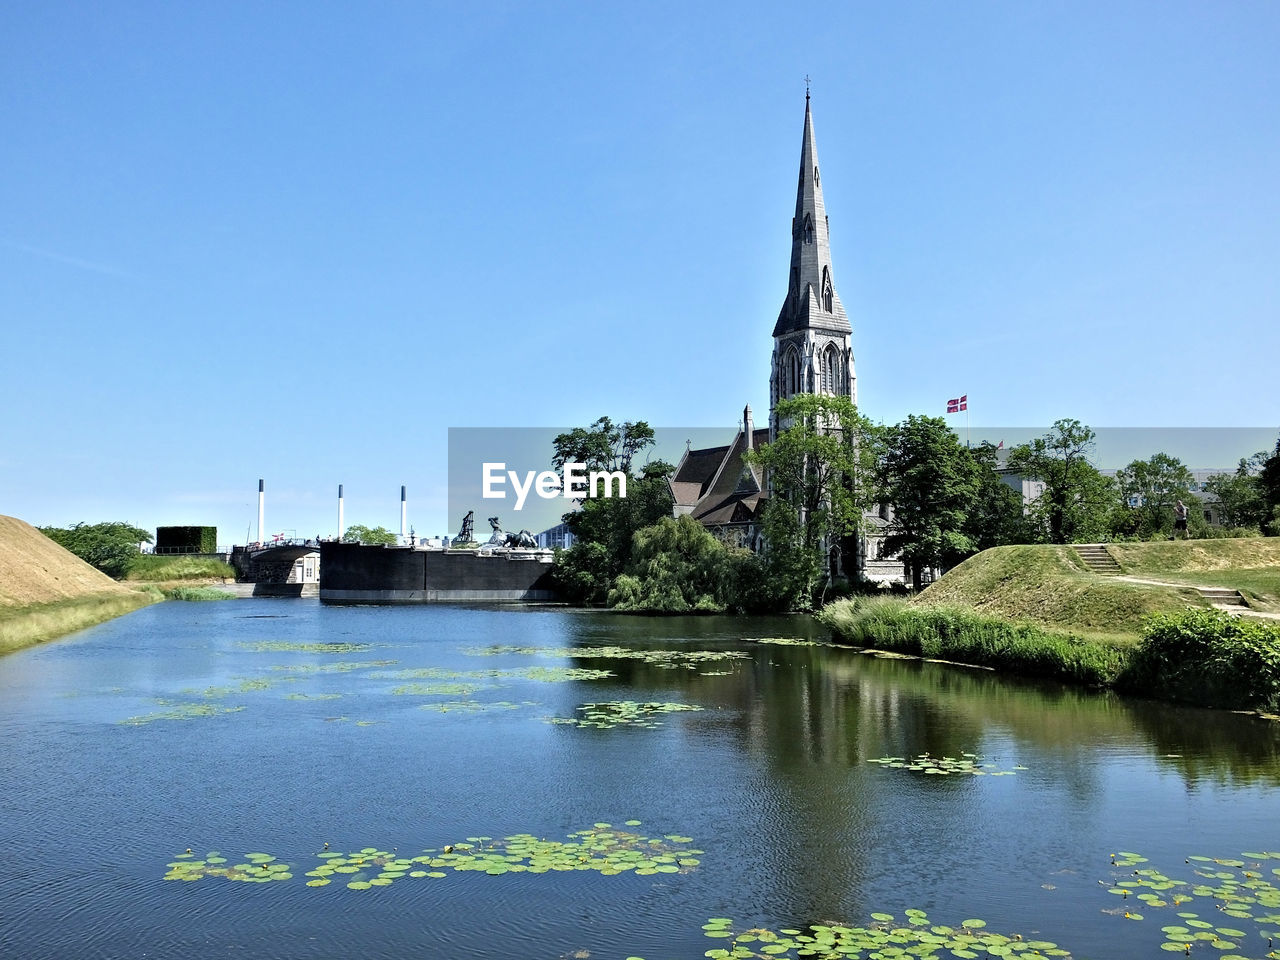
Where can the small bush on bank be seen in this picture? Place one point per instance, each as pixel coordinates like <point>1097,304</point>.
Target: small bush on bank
<point>962,635</point>
<point>195,593</point>
<point>1209,658</point>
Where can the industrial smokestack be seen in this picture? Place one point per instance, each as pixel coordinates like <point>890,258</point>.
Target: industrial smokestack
<point>341,528</point>
<point>261,503</point>
<point>404,513</point>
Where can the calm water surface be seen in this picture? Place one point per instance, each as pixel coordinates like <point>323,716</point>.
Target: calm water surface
<point>770,779</point>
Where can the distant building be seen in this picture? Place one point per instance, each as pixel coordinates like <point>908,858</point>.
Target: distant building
<point>559,537</point>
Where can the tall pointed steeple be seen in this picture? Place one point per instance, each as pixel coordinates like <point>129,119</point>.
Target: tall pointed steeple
<point>812,350</point>
<point>811,298</point>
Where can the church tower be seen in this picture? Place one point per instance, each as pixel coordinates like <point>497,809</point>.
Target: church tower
<point>811,340</point>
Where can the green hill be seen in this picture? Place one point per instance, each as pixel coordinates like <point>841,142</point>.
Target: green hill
<point>47,592</point>
<point>1051,586</point>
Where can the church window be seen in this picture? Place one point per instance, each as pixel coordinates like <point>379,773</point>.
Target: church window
<point>829,370</point>
<point>808,228</point>
<point>816,181</point>
<point>790,373</point>
<point>828,295</point>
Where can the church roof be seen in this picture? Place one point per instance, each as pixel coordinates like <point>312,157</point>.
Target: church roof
<point>717,483</point>
<point>811,286</point>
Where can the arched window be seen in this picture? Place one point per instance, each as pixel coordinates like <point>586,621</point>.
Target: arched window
<point>830,371</point>
<point>808,228</point>
<point>828,294</point>
<point>790,373</point>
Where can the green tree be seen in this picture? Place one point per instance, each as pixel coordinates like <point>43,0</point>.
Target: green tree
<point>1149,489</point>
<point>1077,498</point>
<point>603,527</point>
<point>821,470</point>
<point>111,547</point>
<point>359,533</point>
<point>932,482</point>
<point>677,566</point>
<point>1241,497</point>
<point>997,516</point>
<point>1269,481</point>
<point>603,446</point>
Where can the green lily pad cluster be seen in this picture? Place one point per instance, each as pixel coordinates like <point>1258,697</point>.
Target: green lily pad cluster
<point>918,936</point>
<point>1246,890</point>
<point>313,696</point>
<point>438,689</point>
<point>667,659</point>
<point>182,711</point>
<point>620,713</point>
<point>474,706</point>
<point>257,868</point>
<point>283,646</point>
<point>342,666</point>
<point>966,763</point>
<point>246,685</point>
<point>603,849</point>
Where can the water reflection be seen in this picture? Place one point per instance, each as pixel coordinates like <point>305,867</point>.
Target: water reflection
<point>771,778</point>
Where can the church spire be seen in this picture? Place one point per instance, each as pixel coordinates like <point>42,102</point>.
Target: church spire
<point>811,298</point>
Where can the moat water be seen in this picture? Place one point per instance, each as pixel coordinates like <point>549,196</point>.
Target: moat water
<point>786,799</point>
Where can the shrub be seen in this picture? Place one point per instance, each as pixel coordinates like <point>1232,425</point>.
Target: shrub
<point>1210,658</point>
<point>195,593</point>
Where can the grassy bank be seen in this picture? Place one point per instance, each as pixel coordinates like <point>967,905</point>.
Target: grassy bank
<point>47,592</point>
<point>967,636</point>
<point>28,625</point>
<point>148,568</point>
<point>1038,611</point>
<point>1050,586</point>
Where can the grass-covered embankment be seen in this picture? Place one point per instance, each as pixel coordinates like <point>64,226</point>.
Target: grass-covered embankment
<point>1050,586</point>
<point>47,592</point>
<point>967,636</point>
<point>1038,611</point>
<point>29,624</point>
<point>149,568</point>
<point>1249,565</point>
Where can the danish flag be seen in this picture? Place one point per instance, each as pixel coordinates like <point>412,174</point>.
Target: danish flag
<point>956,405</point>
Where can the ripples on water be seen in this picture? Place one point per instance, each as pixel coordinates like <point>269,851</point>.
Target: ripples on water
<point>771,779</point>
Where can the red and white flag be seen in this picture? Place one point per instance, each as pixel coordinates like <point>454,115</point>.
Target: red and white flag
<point>957,404</point>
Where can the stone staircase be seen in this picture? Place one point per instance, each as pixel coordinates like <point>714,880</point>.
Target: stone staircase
<point>1222,596</point>
<point>1097,559</point>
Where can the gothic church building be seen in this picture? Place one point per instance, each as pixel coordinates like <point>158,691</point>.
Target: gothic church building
<point>812,353</point>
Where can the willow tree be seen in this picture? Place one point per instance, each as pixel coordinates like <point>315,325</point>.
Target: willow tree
<point>820,471</point>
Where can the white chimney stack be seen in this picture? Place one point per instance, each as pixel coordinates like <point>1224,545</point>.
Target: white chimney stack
<point>341,526</point>
<point>404,513</point>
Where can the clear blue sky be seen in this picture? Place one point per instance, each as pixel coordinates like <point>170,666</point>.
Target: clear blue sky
<point>299,241</point>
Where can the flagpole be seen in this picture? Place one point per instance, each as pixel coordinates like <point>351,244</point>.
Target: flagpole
<point>967,438</point>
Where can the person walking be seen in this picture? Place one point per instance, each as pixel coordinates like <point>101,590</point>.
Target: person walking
<point>1179,520</point>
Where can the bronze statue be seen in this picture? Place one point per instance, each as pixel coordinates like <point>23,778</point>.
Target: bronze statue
<point>465,535</point>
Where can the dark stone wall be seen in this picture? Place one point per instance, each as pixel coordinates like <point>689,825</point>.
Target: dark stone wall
<point>353,573</point>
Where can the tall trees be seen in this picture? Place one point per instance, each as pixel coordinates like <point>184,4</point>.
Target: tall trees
<point>603,527</point>
<point>1076,498</point>
<point>111,547</point>
<point>821,472</point>
<point>359,533</point>
<point>1149,489</point>
<point>932,482</point>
